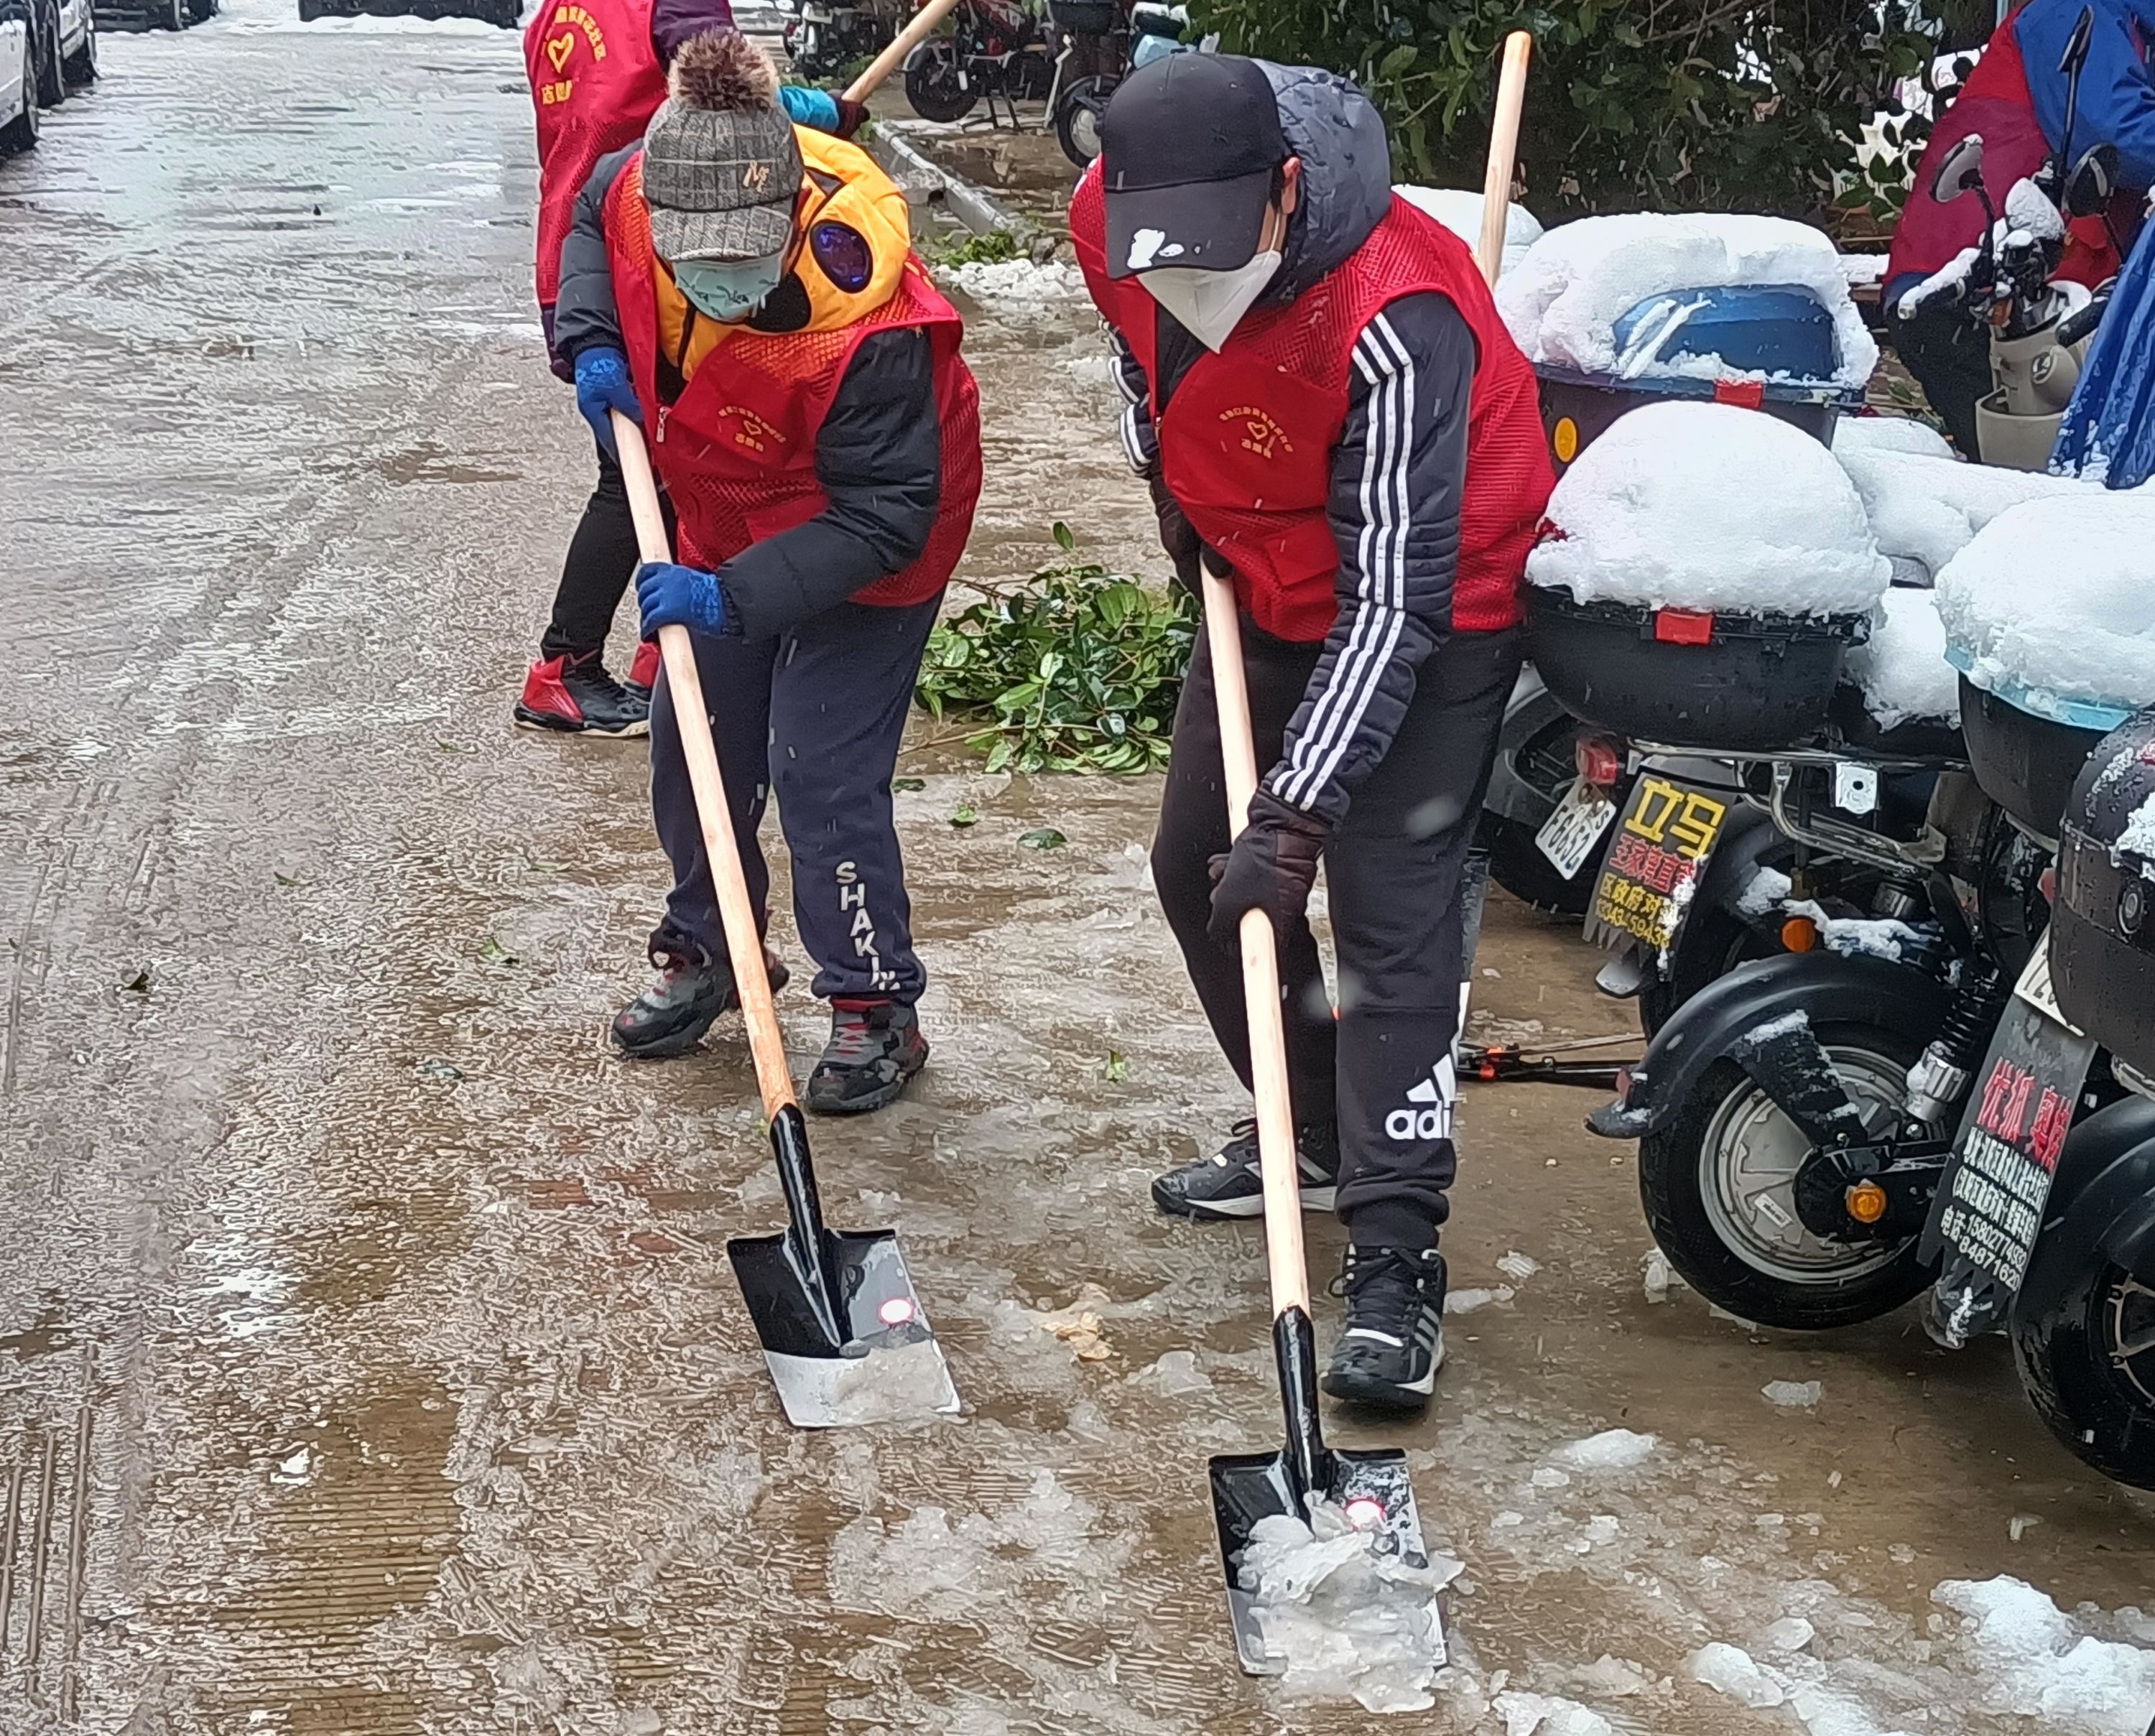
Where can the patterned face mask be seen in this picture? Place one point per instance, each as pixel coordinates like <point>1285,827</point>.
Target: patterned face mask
<point>728,290</point>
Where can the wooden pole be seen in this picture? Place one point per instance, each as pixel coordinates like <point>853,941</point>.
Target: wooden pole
<point>1503,154</point>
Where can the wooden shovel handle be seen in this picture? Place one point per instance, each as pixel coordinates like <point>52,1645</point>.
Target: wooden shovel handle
<point>904,44</point>
<point>692,718</point>
<point>1503,154</point>
<point>1261,978</point>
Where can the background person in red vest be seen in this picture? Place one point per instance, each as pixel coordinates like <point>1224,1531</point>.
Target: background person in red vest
<point>752,285</point>
<point>1331,409</point>
<point>2016,99</point>
<point>598,74</point>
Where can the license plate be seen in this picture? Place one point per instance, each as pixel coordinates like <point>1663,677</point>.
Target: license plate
<point>1662,845</point>
<point>1568,837</point>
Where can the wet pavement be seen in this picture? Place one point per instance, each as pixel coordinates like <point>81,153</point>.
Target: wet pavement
<point>369,1361</point>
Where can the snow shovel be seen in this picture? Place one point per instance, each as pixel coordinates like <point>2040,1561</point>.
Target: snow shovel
<point>843,1332</point>
<point>1370,1487</point>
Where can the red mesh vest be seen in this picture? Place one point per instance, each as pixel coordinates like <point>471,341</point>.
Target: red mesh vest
<point>596,83</point>
<point>737,449</point>
<point>1247,443</point>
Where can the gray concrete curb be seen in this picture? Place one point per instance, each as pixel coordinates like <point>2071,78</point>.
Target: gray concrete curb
<point>911,167</point>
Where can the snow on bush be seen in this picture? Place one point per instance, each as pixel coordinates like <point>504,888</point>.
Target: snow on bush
<point>1565,298</point>
<point>1925,508</point>
<point>1903,670</point>
<point>1706,506</point>
<point>2053,601</point>
<point>1460,212</point>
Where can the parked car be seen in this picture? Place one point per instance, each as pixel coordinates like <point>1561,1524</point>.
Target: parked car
<point>18,78</point>
<point>70,33</point>
<point>153,14</point>
<point>504,13</point>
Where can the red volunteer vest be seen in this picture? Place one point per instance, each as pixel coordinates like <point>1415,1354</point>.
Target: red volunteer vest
<point>596,83</point>
<point>1246,442</point>
<point>1996,103</point>
<point>737,449</point>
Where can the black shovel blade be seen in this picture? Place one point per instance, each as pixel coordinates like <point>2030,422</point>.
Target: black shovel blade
<point>1371,1488</point>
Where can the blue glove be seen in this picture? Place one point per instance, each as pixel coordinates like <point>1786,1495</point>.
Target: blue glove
<point>602,384</point>
<point>671,595</point>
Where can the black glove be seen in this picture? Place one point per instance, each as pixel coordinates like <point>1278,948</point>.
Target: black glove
<point>851,115</point>
<point>1176,536</point>
<point>1272,868</point>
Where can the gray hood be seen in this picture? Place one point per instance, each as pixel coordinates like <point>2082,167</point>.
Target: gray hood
<point>1346,173</point>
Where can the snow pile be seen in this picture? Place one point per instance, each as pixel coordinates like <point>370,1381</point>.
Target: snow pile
<point>2051,603</point>
<point>1706,506</point>
<point>1017,286</point>
<point>1460,212</point>
<point>1547,1715</point>
<point>1611,1450</point>
<point>281,17</point>
<point>2041,1666</point>
<point>1890,433</point>
<point>1903,670</point>
<point>1924,509</point>
<point>1563,300</point>
<point>1347,1620</point>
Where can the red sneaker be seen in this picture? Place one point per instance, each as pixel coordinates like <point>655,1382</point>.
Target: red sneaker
<point>575,696</point>
<point>643,672</point>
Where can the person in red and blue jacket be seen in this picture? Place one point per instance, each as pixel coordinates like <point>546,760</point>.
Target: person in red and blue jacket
<point>598,74</point>
<point>2016,100</point>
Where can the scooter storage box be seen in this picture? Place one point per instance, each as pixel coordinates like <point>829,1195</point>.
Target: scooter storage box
<point>1782,334</point>
<point>1085,18</point>
<point>1681,678</point>
<point>2026,764</point>
<point>2102,922</point>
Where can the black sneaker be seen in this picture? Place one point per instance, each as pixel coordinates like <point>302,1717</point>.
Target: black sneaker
<point>875,1047</point>
<point>577,696</point>
<point>670,1017</point>
<point>1388,1356</point>
<point>1229,1184</point>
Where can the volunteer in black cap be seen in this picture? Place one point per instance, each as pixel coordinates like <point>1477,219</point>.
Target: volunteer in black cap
<point>1328,408</point>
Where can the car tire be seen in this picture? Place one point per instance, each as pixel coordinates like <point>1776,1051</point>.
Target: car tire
<point>168,15</point>
<point>201,12</point>
<point>80,68</point>
<point>52,81</point>
<point>21,134</point>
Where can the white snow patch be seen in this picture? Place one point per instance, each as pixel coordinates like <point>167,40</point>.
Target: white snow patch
<point>2039,1664</point>
<point>1017,286</point>
<point>2139,833</point>
<point>1611,1450</point>
<point>1793,1394</point>
<point>1548,1715</point>
<point>1348,1621</point>
<point>1657,1277</point>
<point>1518,1266</point>
<point>1706,506</point>
<point>1764,893</point>
<point>1563,300</point>
<point>1903,670</point>
<point>1868,937</point>
<point>1889,433</point>
<point>1732,1670</point>
<point>1460,211</point>
<point>1925,507</point>
<point>2052,601</point>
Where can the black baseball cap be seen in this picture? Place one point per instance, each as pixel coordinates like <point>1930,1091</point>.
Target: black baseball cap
<point>1189,149</point>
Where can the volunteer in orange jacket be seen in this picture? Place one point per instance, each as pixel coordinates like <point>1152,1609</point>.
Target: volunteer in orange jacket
<point>748,289</point>
<point>598,74</point>
<point>1331,410</point>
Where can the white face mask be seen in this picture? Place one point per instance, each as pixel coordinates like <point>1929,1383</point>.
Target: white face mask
<point>1208,304</point>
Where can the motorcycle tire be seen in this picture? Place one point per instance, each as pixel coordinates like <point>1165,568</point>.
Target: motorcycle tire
<point>1713,943</point>
<point>1516,864</point>
<point>2075,1317</point>
<point>1077,112</point>
<point>936,84</point>
<point>1692,1176</point>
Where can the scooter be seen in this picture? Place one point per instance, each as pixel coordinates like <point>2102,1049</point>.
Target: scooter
<point>1104,41</point>
<point>822,37</point>
<point>996,50</point>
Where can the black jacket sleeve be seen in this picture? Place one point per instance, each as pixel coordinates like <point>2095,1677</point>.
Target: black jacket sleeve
<point>879,457</point>
<point>1398,474</point>
<point>584,316</point>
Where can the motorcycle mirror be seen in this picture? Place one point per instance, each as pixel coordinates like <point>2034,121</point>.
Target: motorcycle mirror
<point>2076,45</point>
<point>2094,180</point>
<point>1961,173</point>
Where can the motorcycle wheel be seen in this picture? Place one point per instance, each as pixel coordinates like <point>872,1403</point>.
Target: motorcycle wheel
<point>936,84</point>
<point>1717,1183</point>
<point>1077,112</point>
<point>2086,1358</point>
<point>1714,942</point>
<point>1516,864</point>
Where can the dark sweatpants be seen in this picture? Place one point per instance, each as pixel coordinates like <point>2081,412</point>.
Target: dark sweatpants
<point>601,560</point>
<point>1393,870</point>
<point>816,715</point>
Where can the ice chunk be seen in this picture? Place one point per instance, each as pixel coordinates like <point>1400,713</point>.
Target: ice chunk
<point>1889,433</point>
<point>1903,670</point>
<point>1561,301</point>
<point>1706,506</point>
<point>1617,1677</point>
<point>1611,1450</point>
<point>1793,1395</point>
<point>1925,507</point>
<point>1465,1301</point>
<point>1547,1715</point>
<point>1732,1670</point>
<point>1347,1620</point>
<point>1176,1374</point>
<point>1827,1711</point>
<point>1518,1266</point>
<point>2040,1665</point>
<point>1791,1633</point>
<point>2050,602</point>
<point>1460,212</point>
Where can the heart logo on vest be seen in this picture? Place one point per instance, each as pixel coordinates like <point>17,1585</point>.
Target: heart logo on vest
<point>560,48</point>
<point>1260,433</point>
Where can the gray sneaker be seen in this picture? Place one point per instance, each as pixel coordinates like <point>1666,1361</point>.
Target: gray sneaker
<point>670,1017</point>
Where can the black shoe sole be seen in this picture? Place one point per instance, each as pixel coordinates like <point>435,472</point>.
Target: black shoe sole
<point>1317,1200</point>
<point>881,1097</point>
<point>548,723</point>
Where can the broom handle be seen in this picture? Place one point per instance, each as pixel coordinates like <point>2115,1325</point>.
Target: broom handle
<point>904,44</point>
<point>1503,154</point>
<point>1261,980</point>
<point>692,720</point>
